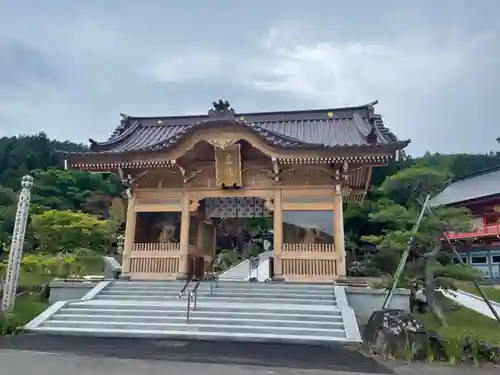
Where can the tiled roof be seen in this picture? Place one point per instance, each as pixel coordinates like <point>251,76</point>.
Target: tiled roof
<point>327,128</point>
<point>479,185</point>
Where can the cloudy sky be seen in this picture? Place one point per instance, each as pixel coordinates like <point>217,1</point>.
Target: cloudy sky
<point>69,67</point>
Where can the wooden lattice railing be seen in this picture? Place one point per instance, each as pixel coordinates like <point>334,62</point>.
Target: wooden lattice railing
<point>154,260</point>
<point>315,247</point>
<point>156,246</point>
<point>309,261</point>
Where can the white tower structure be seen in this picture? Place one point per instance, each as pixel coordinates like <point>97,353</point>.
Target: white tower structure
<point>16,246</point>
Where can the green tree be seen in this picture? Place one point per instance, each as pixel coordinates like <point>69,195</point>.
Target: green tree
<point>411,184</point>
<point>66,231</point>
<point>428,266</point>
<point>73,190</point>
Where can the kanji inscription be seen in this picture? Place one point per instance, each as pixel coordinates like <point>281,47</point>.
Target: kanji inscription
<point>228,166</point>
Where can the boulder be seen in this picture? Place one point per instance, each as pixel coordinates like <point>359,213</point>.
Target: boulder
<point>396,333</point>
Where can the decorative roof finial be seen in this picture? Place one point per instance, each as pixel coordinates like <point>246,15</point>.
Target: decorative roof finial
<point>222,108</point>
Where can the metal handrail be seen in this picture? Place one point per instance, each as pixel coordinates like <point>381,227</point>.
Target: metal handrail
<point>181,293</point>
<point>193,294</point>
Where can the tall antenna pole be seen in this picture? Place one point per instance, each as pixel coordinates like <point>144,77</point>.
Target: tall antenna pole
<point>405,255</point>
<point>16,246</point>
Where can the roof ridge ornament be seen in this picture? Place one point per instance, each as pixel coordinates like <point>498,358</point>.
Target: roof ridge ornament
<point>221,108</point>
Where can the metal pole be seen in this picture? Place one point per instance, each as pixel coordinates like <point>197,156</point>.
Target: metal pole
<point>257,269</point>
<point>457,255</point>
<point>404,257</point>
<point>16,247</point>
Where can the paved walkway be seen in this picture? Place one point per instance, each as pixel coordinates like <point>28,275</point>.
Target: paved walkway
<point>473,302</point>
<point>21,362</point>
<point>265,355</point>
<point>62,355</point>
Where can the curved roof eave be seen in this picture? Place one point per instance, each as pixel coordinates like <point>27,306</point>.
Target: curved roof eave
<point>95,145</point>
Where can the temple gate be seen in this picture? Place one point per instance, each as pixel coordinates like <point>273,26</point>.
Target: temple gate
<point>298,166</point>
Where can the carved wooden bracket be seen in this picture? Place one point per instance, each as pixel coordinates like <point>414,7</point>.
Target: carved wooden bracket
<point>187,175</point>
<point>346,191</point>
<point>274,173</point>
<point>222,142</point>
<point>276,169</point>
<point>194,204</point>
<point>130,182</point>
<point>341,173</point>
<point>269,204</point>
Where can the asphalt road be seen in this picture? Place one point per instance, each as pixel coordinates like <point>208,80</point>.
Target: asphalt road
<point>59,355</point>
<point>22,362</point>
<point>19,362</point>
<point>201,353</point>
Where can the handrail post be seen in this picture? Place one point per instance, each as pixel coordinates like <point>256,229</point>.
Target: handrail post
<point>181,293</point>
<point>188,307</point>
<point>249,268</point>
<point>195,299</point>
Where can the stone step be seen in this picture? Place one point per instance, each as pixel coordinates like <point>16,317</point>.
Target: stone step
<point>205,288</point>
<point>247,284</point>
<point>219,293</point>
<point>141,289</point>
<point>244,311</point>
<point>249,288</point>
<point>176,305</point>
<point>224,284</point>
<point>193,327</point>
<point>196,335</point>
<point>153,289</point>
<point>334,316</point>
<point>274,296</point>
<point>196,319</point>
<point>214,298</point>
<point>150,282</point>
<point>145,292</point>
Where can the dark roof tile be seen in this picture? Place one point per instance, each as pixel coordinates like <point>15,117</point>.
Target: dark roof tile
<point>342,127</point>
<point>478,185</point>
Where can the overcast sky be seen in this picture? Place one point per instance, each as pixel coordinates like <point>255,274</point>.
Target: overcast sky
<point>69,67</point>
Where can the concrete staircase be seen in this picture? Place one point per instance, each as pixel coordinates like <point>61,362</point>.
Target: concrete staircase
<point>227,311</point>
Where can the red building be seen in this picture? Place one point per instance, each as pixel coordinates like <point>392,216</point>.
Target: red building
<point>480,193</point>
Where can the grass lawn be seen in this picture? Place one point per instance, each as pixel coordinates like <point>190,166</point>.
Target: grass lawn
<point>492,292</point>
<point>26,307</point>
<point>462,323</point>
<point>93,265</point>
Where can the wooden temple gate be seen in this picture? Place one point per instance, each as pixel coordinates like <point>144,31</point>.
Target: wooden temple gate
<point>294,259</point>
<point>173,166</point>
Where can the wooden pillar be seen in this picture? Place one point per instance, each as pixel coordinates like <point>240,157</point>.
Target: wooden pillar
<point>184,240</point>
<point>338,232</point>
<point>200,237</point>
<point>129,236</point>
<point>278,234</point>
